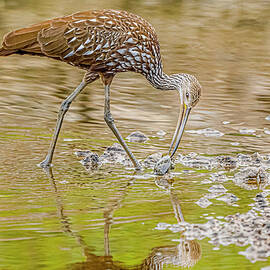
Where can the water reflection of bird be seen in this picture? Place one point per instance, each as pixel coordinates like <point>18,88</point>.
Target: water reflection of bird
<point>186,254</point>
<point>104,42</point>
<point>92,261</point>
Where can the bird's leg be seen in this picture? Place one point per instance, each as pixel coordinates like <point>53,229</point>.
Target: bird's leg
<point>63,109</point>
<point>110,122</point>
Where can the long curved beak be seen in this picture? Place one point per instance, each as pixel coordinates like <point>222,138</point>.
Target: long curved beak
<point>182,120</point>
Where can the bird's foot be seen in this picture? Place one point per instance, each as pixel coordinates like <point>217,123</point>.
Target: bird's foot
<point>138,168</point>
<point>137,165</point>
<point>46,163</point>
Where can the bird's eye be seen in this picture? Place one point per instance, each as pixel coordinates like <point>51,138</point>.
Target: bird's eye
<point>187,95</point>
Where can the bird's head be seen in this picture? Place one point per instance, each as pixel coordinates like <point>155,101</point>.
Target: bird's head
<point>189,91</point>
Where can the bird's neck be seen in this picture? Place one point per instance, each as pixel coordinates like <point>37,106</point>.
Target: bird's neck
<point>162,81</point>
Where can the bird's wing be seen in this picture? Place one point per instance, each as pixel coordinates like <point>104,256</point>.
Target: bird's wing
<point>80,39</point>
<point>83,41</point>
<point>96,40</point>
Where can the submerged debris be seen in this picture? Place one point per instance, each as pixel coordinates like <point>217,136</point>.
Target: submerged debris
<point>208,132</point>
<point>267,117</point>
<point>227,162</point>
<point>243,159</point>
<point>251,160</point>
<point>137,136</point>
<point>163,165</point>
<point>266,131</point>
<point>203,202</point>
<point>90,159</point>
<point>196,161</point>
<point>82,153</point>
<point>247,131</point>
<point>115,154</point>
<point>235,143</point>
<point>112,154</point>
<point>161,133</point>
<point>218,192</point>
<point>151,160</point>
<point>217,189</point>
<point>218,177</point>
<point>257,159</point>
<point>250,229</point>
<point>228,198</point>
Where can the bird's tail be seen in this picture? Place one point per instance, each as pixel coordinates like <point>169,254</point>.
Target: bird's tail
<point>4,52</point>
<point>22,41</point>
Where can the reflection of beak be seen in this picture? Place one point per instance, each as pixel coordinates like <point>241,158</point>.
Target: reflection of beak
<point>182,120</point>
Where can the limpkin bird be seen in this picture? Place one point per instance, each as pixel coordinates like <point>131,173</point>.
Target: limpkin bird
<point>104,42</point>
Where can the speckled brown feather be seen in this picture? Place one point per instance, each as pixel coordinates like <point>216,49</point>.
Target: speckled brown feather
<point>100,41</point>
<point>103,42</point>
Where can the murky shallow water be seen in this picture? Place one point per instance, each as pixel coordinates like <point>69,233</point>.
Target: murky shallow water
<point>93,220</point>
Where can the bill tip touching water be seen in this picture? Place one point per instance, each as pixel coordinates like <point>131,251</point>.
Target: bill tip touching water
<point>104,43</point>
<point>163,165</point>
